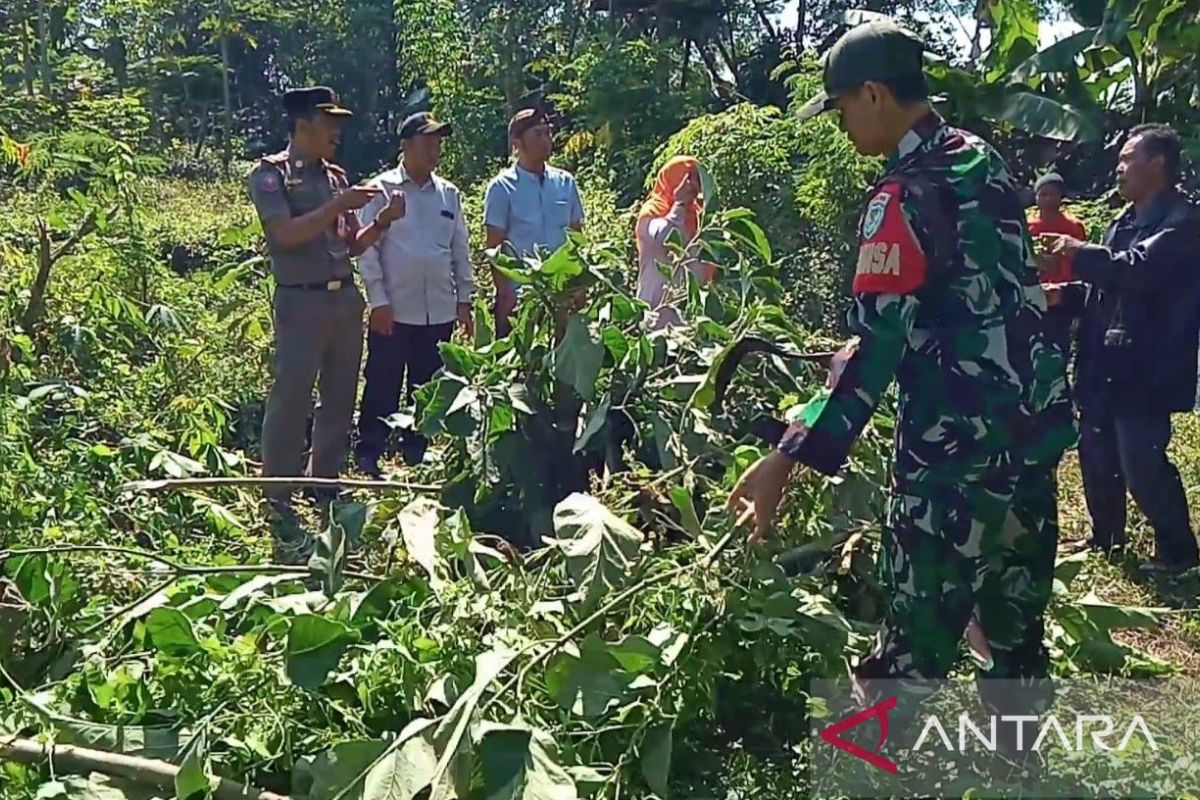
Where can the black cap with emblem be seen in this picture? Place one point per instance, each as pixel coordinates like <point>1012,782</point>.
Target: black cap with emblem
<point>524,120</point>
<point>310,99</point>
<point>879,50</point>
<point>421,123</point>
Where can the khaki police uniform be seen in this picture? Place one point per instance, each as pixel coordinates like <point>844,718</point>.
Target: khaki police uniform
<point>318,313</point>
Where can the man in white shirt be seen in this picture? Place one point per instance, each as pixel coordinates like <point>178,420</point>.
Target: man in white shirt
<point>419,282</point>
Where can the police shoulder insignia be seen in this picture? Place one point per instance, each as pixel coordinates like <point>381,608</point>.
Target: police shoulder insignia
<point>890,259</point>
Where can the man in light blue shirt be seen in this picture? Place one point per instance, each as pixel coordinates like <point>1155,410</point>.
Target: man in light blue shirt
<point>529,206</point>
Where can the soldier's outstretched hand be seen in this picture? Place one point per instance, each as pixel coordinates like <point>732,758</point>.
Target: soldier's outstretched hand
<point>759,491</point>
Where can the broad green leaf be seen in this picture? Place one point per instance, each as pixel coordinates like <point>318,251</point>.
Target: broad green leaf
<point>31,577</point>
<point>520,764</point>
<point>587,681</point>
<point>337,767</point>
<point>601,549</point>
<point>1043,116</point>
<point>656,759</point>
<point>175,465</point>
<point>171,631</point>
<point>749,232</point>
<point>1014,34</point>
<point>710,191</point>
<point>434,400</point>
<point>577,359</point>
<point>681,498</point>
<point>148,741</point>
<point>594,423</point>
<point>419,522</point>
<point>314,647</point>
<point>636,654</point>
<point>459,360</point>
<point>191,781</point>
<point>1058,57</point>
<point>1109,616</point>
<point>1068,567</point>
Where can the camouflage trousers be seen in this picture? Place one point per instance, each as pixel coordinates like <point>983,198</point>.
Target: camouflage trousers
<point>989,543</point>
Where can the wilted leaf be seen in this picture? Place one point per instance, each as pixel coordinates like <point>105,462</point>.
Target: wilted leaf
<point>419,526</point>
<point>577,359</point>
<point>314,647</point>
<point>601,549</point>
<point>681,498</point>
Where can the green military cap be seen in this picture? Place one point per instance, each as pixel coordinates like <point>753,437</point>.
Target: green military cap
<point>874,51</point>
<point>299,102</point>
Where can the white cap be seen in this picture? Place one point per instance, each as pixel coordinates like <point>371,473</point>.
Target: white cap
<point>1049,177</point>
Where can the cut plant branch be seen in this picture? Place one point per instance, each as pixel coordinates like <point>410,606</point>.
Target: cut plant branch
<point>188,484</point>
<point>150,772</point>
<point>47,258</point>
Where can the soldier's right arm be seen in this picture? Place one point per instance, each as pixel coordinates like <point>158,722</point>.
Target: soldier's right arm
<point>369,264</point>
<point>891,269</point>
<point>267,193</point>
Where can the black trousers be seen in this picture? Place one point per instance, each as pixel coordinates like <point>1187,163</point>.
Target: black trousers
<point>410,353</point>
<point>1130,452</point>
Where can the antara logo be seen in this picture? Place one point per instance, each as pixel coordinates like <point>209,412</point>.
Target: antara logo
<point>833,735</point>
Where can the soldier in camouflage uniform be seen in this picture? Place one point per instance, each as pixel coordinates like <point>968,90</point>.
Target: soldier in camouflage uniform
<point>947,303</point>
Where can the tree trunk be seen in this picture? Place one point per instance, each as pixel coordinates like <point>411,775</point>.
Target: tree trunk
<point>44,42</point>
<point>687,57</point>
<point>227,137</point>
<point>26,51</point>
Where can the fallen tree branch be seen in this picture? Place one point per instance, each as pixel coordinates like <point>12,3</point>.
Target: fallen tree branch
<point>181,570</point>
<point>70,758</point>
<point>184,484</point>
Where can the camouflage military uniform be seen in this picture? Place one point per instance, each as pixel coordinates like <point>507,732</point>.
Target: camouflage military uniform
<point>947,303</point>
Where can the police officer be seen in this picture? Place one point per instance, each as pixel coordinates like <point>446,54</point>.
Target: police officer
<point>947,304</point>
<point>1140,316</point>
<point>307,210</point>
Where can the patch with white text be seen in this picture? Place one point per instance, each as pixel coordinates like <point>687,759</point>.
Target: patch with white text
<point>890,259</point>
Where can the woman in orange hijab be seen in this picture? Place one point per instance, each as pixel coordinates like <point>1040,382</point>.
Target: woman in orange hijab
<point>674,204</point>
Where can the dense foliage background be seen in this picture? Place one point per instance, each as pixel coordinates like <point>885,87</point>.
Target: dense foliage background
<point>638,653</point>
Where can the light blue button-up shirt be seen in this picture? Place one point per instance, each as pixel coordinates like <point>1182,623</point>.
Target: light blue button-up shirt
<point>534,212</point>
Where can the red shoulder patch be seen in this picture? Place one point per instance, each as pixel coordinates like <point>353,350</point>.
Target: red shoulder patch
<point>890,259</point>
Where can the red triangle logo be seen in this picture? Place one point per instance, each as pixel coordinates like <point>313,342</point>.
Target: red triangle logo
<point>832,735</point>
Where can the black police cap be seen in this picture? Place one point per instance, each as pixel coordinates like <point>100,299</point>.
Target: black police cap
<point>423,122</point>
<point>301,102</point>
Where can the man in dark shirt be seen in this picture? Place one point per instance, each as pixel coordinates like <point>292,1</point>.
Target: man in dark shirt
<point>1139,305</point>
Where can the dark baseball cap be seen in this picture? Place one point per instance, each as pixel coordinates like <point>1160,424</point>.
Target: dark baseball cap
<point>423,122</point>
<point>873,51</point>
<point>526,119</point>
<point>300,102</point>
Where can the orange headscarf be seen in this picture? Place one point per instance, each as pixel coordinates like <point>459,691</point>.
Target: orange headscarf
<point>662,196</point>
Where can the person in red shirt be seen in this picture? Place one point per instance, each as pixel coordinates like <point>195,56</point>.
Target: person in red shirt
<point>1050,218</point>
<point>1055,270</point>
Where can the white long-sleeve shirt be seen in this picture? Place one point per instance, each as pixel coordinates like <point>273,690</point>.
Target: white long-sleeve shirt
<point>421,265</point>
<point>652,233</point>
